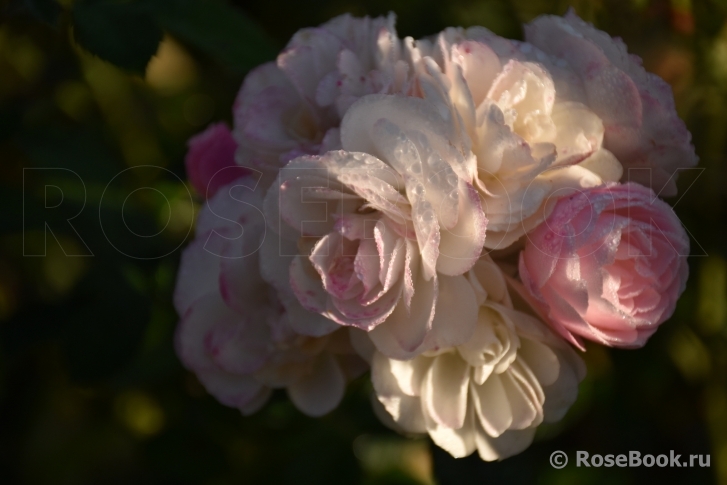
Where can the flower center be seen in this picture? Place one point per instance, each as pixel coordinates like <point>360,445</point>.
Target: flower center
<point>341,272</point>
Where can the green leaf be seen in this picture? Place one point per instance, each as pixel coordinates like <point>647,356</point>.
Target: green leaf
<point>124,34</point>
<point>220,30</point>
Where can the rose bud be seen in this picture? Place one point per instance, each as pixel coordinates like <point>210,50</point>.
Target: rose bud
<point>210,160</point>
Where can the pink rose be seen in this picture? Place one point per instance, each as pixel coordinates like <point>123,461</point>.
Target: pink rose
<point>210,156</point>
<point>641,124</point>
<point>608,264</point>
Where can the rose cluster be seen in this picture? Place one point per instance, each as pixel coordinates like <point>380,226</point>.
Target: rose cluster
<point>454,213</point>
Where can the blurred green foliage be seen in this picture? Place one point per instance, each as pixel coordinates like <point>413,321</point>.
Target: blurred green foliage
<point>97,100</point>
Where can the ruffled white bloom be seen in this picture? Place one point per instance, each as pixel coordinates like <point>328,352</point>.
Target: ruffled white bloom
<point>531,143</point>
<point>386,228</point>
<point>239,335</point>
<point>489,394</point>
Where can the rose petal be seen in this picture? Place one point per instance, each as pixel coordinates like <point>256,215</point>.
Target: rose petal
<point>321,391</point>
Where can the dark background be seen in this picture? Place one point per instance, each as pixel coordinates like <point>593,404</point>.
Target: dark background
<point>90,389</point>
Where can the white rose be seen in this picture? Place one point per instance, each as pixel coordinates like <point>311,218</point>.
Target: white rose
<point>488,394</point>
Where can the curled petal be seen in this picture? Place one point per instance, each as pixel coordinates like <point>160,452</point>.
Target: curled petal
<point>243,392</point>
<point>458,442</point>
<point>405,329</point>
<point>461,246</point>
<point>444,391</point>
<point>504,446</point>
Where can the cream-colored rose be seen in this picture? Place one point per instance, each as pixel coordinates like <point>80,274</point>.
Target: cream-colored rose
<point>490,393</point>
<point>532,142</point>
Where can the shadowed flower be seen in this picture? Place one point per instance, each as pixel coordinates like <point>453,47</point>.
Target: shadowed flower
<point>237,333</point>
<point>294,106</point>
<point>210,161</point>
<point>641,124</point>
